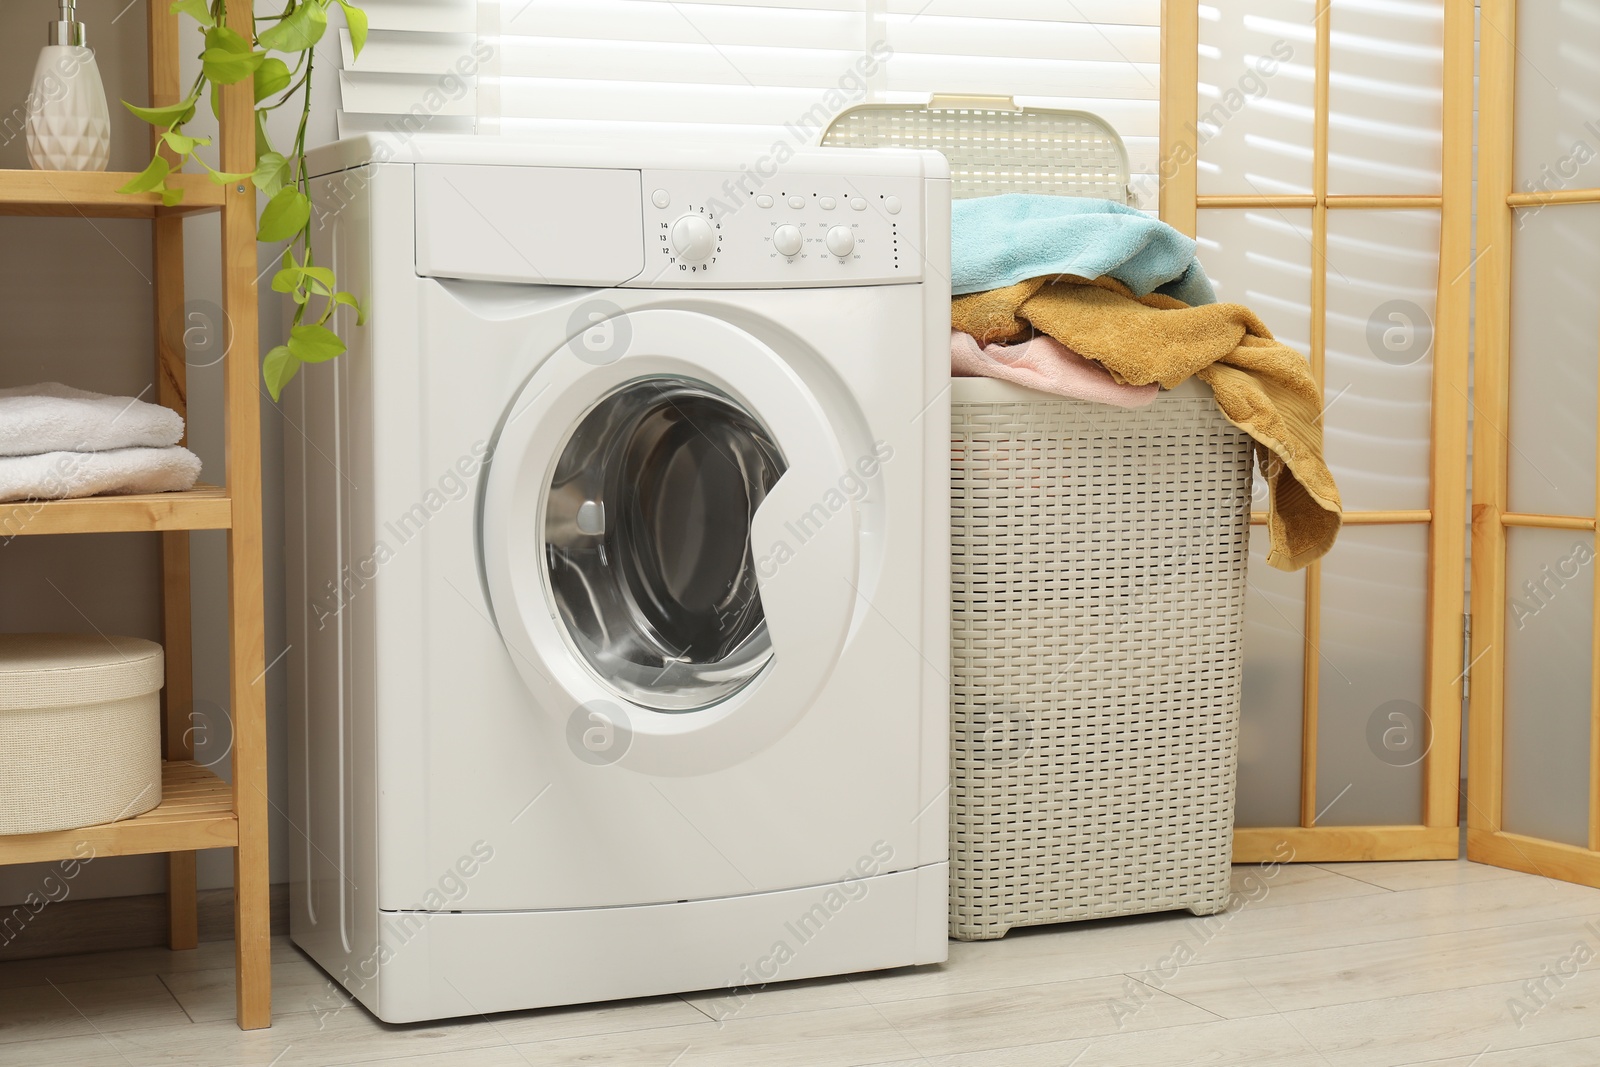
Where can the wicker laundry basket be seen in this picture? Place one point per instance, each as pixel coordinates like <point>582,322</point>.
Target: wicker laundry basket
<point>1098,598</point>
<point>80,730</point>
<point>1098,567</point>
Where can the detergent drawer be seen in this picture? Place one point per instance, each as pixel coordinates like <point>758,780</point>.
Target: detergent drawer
<point>538,225</point>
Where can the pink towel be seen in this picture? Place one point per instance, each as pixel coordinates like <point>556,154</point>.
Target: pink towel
<point>1046,364</point>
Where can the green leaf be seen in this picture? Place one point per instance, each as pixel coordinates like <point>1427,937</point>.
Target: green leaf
<point>170,115</point>
<point>287,280</point>
<point>356,19</point>
<point>171,197</point>
<point>198,10</point>
<point>272,77</point>
<point>216,101</point>
<point>303,28</point>
<point>225,39</point>
<point>277,367</point>
<point>263,144</point>
<point>314,344</point>
<point>182,143</point>
<point>223,67</point>
<point>322,276</point>
<point>151,178</point>
<point>284,216</point>
<point>272,171</point>
<point>348,300</point>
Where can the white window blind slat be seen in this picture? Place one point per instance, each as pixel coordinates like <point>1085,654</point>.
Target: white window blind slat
<point>1005,39</point>
<point>653,21</point>
<point>732,67</point>
<point>750,68</point>
<point>422,16</point>
<point>396,52</point>
<point>1096,12</point>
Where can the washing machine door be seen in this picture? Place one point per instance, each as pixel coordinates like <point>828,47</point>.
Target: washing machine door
<point>671,543</point>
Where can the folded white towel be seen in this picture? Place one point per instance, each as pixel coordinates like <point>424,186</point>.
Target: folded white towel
<point>59,475</point>
<point>51,417</point>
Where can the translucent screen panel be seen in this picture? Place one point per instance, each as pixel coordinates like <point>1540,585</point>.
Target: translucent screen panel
<point>1385,96</point>
<point>1383,267</point>
<point>1261,258</point>
<point>1555,334</point>
<point>1371,734</point>
<point>1557,94</point>
<point>1273,700</point>
<point>1257,96</point>
<point>1549,633</point>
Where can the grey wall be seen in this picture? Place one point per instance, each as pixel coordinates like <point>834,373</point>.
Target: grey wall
<point>75,307</point>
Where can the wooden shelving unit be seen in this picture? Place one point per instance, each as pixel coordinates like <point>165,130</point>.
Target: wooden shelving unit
<point>198,809</point>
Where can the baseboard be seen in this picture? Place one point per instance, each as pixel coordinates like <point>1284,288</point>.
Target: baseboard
<point>75,926</point>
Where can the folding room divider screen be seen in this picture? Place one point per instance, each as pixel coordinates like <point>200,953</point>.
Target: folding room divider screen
<point>1324,164</point>
<point>1534,799</point>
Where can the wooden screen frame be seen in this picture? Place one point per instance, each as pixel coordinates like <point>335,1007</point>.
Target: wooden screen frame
<point>1487,840</point>
<point>1438,836</point>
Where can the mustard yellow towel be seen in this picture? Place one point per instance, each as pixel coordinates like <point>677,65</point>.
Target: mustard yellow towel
<point>1263,387</point>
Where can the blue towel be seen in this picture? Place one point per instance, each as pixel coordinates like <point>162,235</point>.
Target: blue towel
<point>998,241</point>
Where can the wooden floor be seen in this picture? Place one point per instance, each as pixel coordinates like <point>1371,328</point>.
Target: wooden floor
<point>1448,964</point>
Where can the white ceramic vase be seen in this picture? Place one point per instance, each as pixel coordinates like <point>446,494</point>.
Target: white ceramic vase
<point>69,127</point>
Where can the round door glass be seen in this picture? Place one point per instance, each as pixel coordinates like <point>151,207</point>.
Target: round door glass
<point>647,542</point>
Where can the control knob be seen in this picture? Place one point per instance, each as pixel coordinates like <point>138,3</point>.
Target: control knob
<point>787,240</point>
<point>841,241</point>
<point>693,239</point>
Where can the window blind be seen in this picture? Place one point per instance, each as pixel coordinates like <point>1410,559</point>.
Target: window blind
<point>743,68</point>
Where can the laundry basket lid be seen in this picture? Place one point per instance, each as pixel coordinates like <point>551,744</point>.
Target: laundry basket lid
<point>996,146</point>
<point>53,670</point>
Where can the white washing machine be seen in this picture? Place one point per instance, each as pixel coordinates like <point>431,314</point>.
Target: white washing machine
<point>618,564</point>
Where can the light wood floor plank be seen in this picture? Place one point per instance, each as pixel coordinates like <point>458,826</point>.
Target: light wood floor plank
<point>1459,1023</point>
<point>1381,965</point>
<point>1294,981</point>
<point>72,1009</point>
<point>1094,1007</point>
<point>1300,884</point>
<point>1421,875</point>
<point>838,1037</point>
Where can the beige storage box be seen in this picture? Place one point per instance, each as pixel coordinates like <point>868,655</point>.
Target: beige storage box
<point>80,730</point>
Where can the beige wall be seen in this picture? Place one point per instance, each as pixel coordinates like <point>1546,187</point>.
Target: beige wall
<point>75,302</point>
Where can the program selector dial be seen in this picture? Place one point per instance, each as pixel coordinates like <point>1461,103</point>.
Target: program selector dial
<point>787,240</point>
<point>693,239</point>
<point>841,241</point>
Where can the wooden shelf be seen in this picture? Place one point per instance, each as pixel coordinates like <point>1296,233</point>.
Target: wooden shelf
<point>93,194</point>
<point>206,507</point>
<point>196,811</point>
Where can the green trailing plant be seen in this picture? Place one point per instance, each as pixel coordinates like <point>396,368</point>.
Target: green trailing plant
<point>226,59</point>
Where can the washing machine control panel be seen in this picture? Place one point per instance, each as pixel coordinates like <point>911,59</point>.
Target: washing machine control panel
<point>717,230</point>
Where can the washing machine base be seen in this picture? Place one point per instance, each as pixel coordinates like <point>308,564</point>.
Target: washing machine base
<point>438,965</point>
